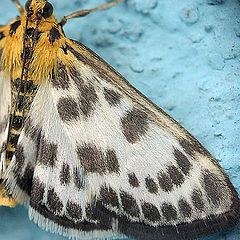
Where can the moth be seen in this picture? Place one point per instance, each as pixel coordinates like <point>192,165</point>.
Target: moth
<point>87,153</point>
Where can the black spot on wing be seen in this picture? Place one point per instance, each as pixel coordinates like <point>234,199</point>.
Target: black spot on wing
<point>112,161</point>
<point>169,212</point>
<point>191,146</point>
<point>197,200</point>
<point>134,125</point>
<point>65,174</point>
<point>133,180</point>
<point>68,109</point>
<point>53,202</point>
<point>87,93</point>
<point>91,158</point>
<point>54,35</point>
<point>87,100</point>
<point>32,131</point>
<point>175,175</point>
<point>165,182</point>
<point>182,161</point>
<point>74,211</point>
<point>20,158</point>
<point>184,208</point>
<point>37,192</point>
<point>150,212</point>
<point>109,196</point>
<point>60,79</point>
<point>94,160</point>
<point>129,204</point>
<point>14,26</point>
<point>78,181</point>
<point>213,187</point>
<point>24,181</point>
<point>151,185</point>
<point>47,153</point>
<point>112,97</point>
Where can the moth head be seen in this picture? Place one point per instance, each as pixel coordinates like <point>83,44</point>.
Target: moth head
<point>37,10</point>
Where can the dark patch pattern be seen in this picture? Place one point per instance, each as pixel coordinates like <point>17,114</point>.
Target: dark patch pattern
<point>129,204</point>
<point>150,212</point>
<point>37,192</point>
<point>14,26</point>
<point>134,125</point>
<point>112,161</point>
<point>192,146</point>
<point>78,181</point>
<point>65,174</point>
<point>169,212</point>
<point>68,109</point>
<point>47,153</point>
<point>184,208</point>
<point>88,96</point>
<point>133,181</point>
<point>112,97</point>
<point>60,80</point>
<point>213,187</point>
<point>165,182</point>
<point>109,197</point>
<point>24,181</point>
<point>151,185</point>
<point>20,159</point>
<point>74,211</point>
<point>77,78</point>
<point>182,161</point>
<point>175,175</point>
<point>32,131</point>
<point>94,160</point>
<point>87,100</point>
<point>54,35</point>
<point>197,200</point>
<point>53,202</point>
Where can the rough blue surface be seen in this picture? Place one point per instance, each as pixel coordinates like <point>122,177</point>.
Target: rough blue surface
<point>184,55</point>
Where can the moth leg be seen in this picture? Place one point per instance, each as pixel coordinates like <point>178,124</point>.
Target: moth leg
<point>83,13</point>
<point>19,6</point>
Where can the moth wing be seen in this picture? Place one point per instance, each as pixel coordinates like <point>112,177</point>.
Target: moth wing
<point>109,159</point>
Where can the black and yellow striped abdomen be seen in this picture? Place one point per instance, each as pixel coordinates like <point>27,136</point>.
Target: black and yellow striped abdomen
<point>22,95</point>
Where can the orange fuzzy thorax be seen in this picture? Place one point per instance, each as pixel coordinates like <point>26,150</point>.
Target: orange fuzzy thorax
<point>44,53</point>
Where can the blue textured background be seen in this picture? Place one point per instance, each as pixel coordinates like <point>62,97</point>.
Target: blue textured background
<point>184,55</point>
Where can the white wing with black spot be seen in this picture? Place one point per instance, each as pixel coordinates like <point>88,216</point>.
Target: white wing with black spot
<point>105,160</point>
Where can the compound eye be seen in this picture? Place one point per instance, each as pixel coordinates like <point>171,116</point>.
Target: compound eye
<point>47,10</point>
<point>27,5</point>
